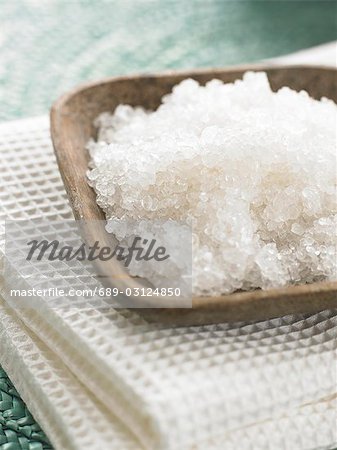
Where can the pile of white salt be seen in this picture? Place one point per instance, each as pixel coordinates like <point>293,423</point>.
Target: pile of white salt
<point>252,172</point>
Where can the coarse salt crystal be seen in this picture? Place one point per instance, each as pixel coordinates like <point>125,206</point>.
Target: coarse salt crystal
<point>253,173</point>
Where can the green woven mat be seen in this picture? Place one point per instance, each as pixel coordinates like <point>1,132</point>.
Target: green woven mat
<point>18,429</point>
<point>47,47</point>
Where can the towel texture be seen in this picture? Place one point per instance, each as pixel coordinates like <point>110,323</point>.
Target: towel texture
<point>197,387</point>
<point>105,378</point>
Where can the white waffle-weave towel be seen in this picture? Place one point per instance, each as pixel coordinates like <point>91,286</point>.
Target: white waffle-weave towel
<point>260,386</point>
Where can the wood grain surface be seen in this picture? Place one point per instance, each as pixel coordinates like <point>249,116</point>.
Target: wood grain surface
<point>71,127</point>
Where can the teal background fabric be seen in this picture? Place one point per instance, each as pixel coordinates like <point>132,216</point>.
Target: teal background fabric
<point>18,429</point>
<point>48,46</point>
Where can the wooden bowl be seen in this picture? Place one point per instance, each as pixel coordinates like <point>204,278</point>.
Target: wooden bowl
<point>71,127</point>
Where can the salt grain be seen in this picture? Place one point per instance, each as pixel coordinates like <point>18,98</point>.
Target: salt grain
<point>251,171</point>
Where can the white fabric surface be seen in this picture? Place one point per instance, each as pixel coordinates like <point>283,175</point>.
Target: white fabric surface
<point>249,386</point>
<point>71,417</point>
<point>74,420</point>
<point>322,55</point>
